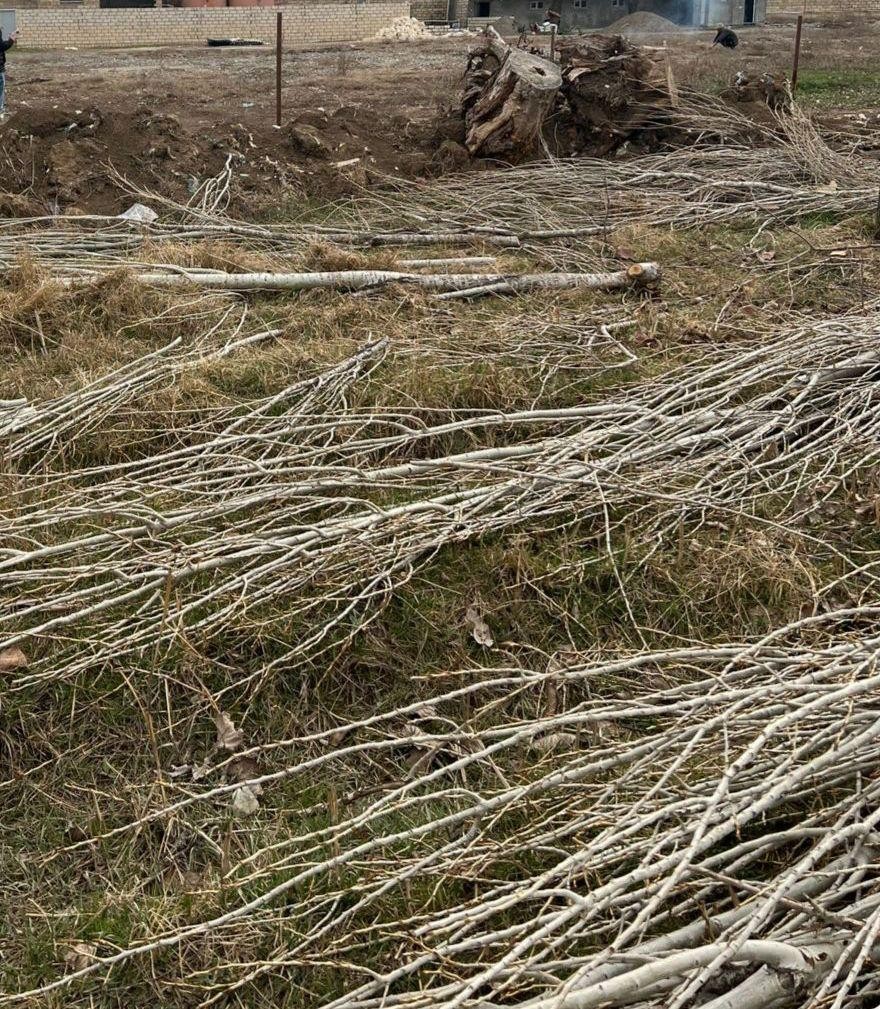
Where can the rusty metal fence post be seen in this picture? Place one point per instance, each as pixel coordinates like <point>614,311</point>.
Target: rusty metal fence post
<point>278,70</point>
<point>797,52</point>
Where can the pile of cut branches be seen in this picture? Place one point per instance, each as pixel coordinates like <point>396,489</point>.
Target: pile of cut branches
<point>707,830</point>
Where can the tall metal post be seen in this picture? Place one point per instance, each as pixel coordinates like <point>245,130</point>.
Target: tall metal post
<point>797,52</point>
<point>278,70</point>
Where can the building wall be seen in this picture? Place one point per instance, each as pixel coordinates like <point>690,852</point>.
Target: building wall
<point>600,13</point>
<point>586,13</point>
<point>826,8</point>
<point>429,10</point>
<point>440,10</point>
<point>304,21</point>
<point>31,4</point>
<point>729,12</point>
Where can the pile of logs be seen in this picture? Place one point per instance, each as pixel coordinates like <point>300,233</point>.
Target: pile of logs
<point>603,92</point>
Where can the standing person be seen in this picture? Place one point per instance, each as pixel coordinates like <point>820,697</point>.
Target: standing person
<point>4,45</point>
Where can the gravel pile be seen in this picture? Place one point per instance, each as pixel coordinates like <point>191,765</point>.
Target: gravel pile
<point>643,21</point>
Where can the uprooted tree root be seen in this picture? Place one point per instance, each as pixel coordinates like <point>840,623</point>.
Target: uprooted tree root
<point>604,94</point>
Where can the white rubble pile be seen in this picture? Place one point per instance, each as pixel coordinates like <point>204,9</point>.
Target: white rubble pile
<point>404,30</point>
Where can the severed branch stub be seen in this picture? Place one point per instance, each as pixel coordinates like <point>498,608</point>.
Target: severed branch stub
<point>508,93</point>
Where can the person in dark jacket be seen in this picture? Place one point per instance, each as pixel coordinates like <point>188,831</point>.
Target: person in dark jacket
<point>726,38</point>
<point>4,45</point>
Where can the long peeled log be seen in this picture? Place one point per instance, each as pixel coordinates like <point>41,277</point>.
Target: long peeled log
<point>644,980</point>
<point>638,275</point>
<point>506,117</point>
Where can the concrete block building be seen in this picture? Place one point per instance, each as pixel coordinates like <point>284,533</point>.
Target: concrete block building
<point>599,13</point>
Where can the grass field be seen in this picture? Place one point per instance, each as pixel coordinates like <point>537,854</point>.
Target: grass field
<point>110,839</point>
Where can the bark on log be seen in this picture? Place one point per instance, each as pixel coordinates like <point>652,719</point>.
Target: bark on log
<point>505,110</point>
<point>637,275</point>
<point>645,275</point>
<point>639,983</point>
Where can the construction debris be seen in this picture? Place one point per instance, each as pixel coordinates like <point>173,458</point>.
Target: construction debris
<point>140,214</point>
<point>642,22</point>
<point>403,30</point>
<point>236,42</point>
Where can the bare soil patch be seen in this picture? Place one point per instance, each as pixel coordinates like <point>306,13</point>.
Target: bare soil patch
<point>354,115</point>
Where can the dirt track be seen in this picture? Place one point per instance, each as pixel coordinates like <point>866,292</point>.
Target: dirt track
<point>167,118</point>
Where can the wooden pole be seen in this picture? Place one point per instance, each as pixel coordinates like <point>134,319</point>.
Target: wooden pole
<point>553,43</point>
<point>278,70</point>
<point>797,52</point>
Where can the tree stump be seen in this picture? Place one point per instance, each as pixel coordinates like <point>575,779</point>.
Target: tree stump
<point>505,107</point>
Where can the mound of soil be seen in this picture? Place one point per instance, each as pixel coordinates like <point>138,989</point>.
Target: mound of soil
<point>643,21</point>
<point>58,160</point>
<point>761,89</point>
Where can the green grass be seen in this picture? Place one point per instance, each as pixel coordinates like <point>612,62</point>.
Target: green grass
<point>548,589</point>
<point>839,88</point>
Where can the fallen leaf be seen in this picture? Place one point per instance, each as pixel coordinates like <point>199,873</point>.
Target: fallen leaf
<point>644,340</point>
<point>243,769</point>
<point>554,741</point>
<point>12,658</point>
<point>421,759</point>
<point>191,880</point>
<point>626,253</point>
<point>479,628</point>
<point>228,736</point>
<point>340,735</point>
<point>767,256</point>
<point>80,955</point>
<point>74,833</point>
<point>201,771</point>
<point>425,711</point>
<point>245,801</point>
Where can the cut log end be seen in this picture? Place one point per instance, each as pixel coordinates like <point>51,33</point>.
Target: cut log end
<point>644,274</point>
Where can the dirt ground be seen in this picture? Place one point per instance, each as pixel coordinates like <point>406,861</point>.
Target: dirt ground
<point>168,118</point>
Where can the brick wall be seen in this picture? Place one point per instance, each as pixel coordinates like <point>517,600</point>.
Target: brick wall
<point>304,21</point>
<point>429,10</point>
<point>826,8</point>
<point>438,10</point>
<point>27,4</point>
